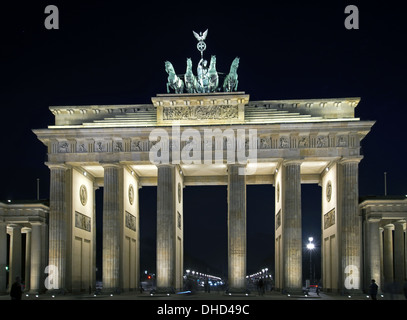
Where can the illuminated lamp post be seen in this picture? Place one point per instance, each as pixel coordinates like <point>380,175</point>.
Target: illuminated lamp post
<point>310,247</point>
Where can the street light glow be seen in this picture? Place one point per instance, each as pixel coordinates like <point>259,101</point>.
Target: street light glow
<point>310,246</point>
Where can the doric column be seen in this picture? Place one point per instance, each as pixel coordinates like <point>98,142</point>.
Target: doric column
<point>399,252</point>
<point>292,237</point>
<point>381,232</point>
<point>236,228</point>
<point>112,211</point>
<point>58,217</point>
<point>405,253</point>
<point>27,280</point>
<point>373,252</point>
<point>388,254</point>
<point>37,266</point>
<point>350,224</point>
<point>3,256</point>
<point>15,253</point>
<point>166,197</point>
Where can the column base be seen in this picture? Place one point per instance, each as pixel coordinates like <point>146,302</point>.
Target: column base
<point>293,291</point>
<point>165,291</point>
<point>350,292</point>
<point>237,291</point>
<point>54,291</point>
<point>111,291</point>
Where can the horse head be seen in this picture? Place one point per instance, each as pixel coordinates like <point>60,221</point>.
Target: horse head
<point>169,68</point>
<point>189,63</point>
<point>213,62</point>
<point>236,62</point>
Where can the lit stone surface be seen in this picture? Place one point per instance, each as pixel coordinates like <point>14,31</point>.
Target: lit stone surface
<point>112,212</point>
<point>292,236</point>
<point>237,228</point>
<point>296,141</point>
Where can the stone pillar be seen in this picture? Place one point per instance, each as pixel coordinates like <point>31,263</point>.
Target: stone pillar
<point>15,253</point>
<point>399,253</point>
<point>388,254</point>
<point>350,230</point>
<point>237,228</point>
<point>58,221</point>
<point>166,224</point>
<point>381,232</point>
<point>405,254</point>
<point>94,228</point>
<point>37,266</point>
<point>373,255</point>
<point>292,234</point>
<point>3,257</point>
<point>27,280</point>
<point>112,211</point>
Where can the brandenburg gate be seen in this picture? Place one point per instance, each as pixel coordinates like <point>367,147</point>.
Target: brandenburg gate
<point>125,147</point>
<point>201,134</point>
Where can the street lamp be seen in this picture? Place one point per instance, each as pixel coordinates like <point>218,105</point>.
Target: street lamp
<point>310,247</point>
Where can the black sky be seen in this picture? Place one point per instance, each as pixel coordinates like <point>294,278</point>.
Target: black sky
<point>113,52</point>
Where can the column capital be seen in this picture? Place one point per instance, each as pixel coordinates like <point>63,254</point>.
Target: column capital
<point>168,165</point>
<point>54,165</point>
<point>37,223</point>
<point>13,226</point>
<point>111,164</point>
<point>350,159</point>
<point>389,226</point>
<point>373,219</point>
<point>26,230</point>
<point>292,162</point>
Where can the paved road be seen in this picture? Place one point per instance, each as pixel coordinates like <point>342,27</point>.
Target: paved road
<point>202,296</point>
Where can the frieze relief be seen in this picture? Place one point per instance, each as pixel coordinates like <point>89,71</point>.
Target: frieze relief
<point>284,142</point>
<point>322,142</point>
<point>63,147</point>
<point>342,141</point>
<point>100,146</point>
<point>218,112</point>
<point>303,142</point>
<point>131,221</point>
<point>264,142</point>
<point>118,146</point>
<point>82,221</point>
<point>329,219</point>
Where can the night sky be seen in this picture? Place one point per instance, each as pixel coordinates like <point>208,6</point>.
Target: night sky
<point>114,52</point>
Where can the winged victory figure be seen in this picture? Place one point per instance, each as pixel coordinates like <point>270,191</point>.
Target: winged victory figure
<point>201,36</point>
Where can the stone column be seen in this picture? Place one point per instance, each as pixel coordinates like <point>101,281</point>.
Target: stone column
<point>399,252</point>
<point>405,253</point>
<point>27,280</point>
<point>166,192</point>
<point>292,233</point>
<point>112,212</point>
<point>15,253</point>
<point>350,225</point>
<point>388,254</point>
<point>237,228</point>
<point>58,216</point>
<point>373,252</point>
<point>3,257</point>
<point>37,267</point>
<point>381,232</point>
